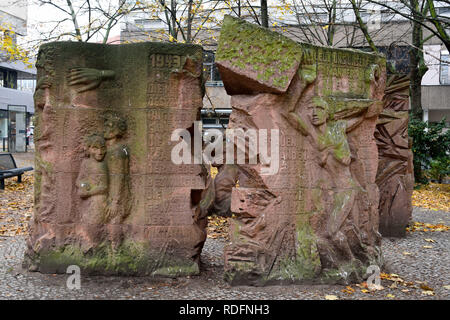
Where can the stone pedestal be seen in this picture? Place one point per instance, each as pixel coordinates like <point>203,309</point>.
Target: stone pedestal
<point>107,196</point>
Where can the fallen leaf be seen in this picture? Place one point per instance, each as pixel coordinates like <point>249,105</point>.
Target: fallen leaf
<point>428,292</point>
<point>447,287</point>
<point>374,287</point>
<point>424,286</point>
<point>429,240</point>
<point>348,290</point>
<point>428,247</point>
<point>406,253</point>
<point>390,295</point>
<point>362,285</point>
<point>331,297</point>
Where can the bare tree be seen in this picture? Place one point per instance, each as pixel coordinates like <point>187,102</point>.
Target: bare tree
<point>84,20</point>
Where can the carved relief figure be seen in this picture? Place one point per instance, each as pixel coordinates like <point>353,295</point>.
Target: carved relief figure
<point>44,146</point>
<point>92,181</point>
<point>329,139</point>
<point>117,161</point>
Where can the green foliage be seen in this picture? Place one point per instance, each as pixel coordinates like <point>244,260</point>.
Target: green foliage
<point>430,143</point>
<point>439,169</point>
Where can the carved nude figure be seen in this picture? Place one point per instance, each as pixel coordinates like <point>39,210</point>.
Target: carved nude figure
<point>329,139</point>
<point>92,181</point>
<point>117,160</point>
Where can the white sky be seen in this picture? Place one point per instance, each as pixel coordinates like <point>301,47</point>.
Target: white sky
<point>40,20</point>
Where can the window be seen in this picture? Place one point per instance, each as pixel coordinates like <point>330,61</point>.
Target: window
<point>8,78</point>
<point>210,71</point>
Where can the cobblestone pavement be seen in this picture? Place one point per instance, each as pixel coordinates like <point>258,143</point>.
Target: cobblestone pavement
<point>429,267</point>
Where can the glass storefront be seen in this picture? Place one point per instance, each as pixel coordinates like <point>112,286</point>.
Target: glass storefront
<point>17,122</point>
<point>3,130</point>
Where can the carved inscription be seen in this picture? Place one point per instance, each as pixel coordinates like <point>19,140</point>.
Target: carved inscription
<point>165,61</point>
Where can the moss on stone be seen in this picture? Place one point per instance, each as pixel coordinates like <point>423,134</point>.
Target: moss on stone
<point>270,56</point>
<point>130,258</point>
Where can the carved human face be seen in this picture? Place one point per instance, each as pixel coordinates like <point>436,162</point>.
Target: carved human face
<point>319,115</point>
<point>97,152</point>
<point>111,130</point>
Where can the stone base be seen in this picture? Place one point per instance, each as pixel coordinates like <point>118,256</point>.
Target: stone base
<point>129,259</point>
<point>245,274</point>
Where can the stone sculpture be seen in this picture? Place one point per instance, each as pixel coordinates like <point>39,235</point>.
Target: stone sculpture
<point>108,197</point>
<point>316,219</point>
<point>395,176</point>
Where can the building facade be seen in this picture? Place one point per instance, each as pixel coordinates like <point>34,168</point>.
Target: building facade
<point>17,83</point>
<point>390,32</point>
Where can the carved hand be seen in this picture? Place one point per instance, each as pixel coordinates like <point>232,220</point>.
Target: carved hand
<point>91,78</point>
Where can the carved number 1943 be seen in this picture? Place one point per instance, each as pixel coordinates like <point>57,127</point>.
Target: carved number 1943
<point>165,61</point>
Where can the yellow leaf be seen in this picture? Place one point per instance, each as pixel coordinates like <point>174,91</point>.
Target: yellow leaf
<point>425,287</point>
<point>365,291</point>
<point>331,297</point>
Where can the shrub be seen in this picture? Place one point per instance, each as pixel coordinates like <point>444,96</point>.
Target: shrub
<point>430,142</point>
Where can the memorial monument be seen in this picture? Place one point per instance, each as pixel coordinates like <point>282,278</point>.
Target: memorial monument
<point>110,199</point>
<point>316,219</point>
<point>107,196</point>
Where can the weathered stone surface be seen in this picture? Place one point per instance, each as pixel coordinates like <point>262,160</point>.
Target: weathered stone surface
<point>272,70</point>
<point>395,176</point>
<point>316,219</point>
<point>108,198</point>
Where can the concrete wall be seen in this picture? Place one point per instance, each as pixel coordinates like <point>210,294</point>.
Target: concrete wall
<point>436,103</point>
<point>436,97</point>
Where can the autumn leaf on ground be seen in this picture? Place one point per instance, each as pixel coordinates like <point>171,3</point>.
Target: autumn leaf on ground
<point>331,297</point>
<point>432,196</point>
<point>365,291</point>
<point>218,227</point>
<point>425,287</point>
<point>427,227</point>
<point>348,290</point>
<point>376,287</point>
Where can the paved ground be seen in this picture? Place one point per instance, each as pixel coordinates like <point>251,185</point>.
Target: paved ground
<point>421,268</point>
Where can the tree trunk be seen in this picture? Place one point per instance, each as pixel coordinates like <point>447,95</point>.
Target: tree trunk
<point>173,8</point>
<point>264,14</point>
<point>417,63</point>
